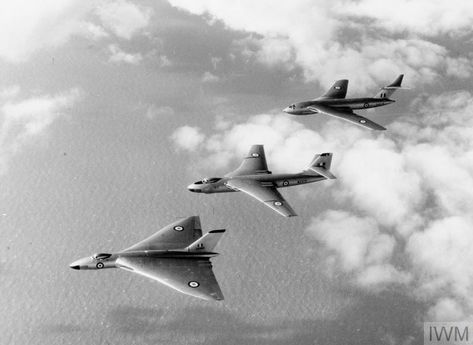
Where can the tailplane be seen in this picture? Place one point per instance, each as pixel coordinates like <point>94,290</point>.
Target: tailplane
<point>320,165</point>
<point>207,242</point>
<point>388,90</point>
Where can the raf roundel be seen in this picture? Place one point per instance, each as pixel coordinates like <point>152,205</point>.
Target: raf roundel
<point>100,265</point>
<point>255,154</point>
<point>178,228</point>
<point>285,183</point>
<point>362,121</point>
<point>278,203</point>
<point>193,284</point>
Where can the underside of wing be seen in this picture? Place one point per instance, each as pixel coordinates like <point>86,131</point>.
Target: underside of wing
<point>268,195</point>
<point>190,276</point>
<point>253,163</point>
<point>177,235</point>
<point>347,115</point>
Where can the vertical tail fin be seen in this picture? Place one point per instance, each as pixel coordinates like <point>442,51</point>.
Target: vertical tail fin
<point>337,90</point>
<point>320,165</point>
<point>207,242</point>
<point>388,90</point>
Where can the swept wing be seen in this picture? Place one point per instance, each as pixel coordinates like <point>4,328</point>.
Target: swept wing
<point>347,115</point>
<point>190,276</point>
<point>177,235</point>
<point>269,195</point>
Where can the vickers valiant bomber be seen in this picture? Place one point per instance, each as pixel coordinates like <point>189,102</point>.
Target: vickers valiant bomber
<point>334,103</point>
<point>254,179</point>
<point>177,256</point>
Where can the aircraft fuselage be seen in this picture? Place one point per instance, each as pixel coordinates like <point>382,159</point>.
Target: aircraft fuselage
<point>92,262</point>
<point>302,108</point>
<point>269,180</point>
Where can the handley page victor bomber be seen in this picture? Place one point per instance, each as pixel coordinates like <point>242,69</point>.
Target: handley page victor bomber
<point>254,178</point>
<point>177,256</point>
<point>334,103</point>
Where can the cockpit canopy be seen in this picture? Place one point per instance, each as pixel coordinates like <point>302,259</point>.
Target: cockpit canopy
<point>292,106</point>
<point>208,180</point>
<point>101,256</point>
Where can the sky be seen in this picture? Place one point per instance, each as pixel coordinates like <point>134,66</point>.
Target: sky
<point>109,109</point>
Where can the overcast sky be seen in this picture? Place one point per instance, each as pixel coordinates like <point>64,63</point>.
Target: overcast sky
<point>109,109</point>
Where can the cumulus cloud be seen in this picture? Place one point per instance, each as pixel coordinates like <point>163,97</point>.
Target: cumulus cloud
<point>119,56</point>
<point>399,212</point>
<point>188,138</point>
<point>359,246</point>
<point>424,17</point>
<point>28,26</point>
<point>26,120</point>
<point>124,18</point>
<point>360,40</point>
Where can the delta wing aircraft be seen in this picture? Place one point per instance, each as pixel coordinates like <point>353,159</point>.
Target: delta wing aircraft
<point>254,179</point>
<point>177,256</point>
<point>334,103</point>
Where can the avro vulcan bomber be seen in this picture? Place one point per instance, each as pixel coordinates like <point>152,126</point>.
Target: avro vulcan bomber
<point>177,256</point>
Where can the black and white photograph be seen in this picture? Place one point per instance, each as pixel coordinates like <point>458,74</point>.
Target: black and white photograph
<point>189,172</point>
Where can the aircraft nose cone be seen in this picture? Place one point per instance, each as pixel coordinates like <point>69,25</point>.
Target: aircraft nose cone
<point>286,110</point>
<point>193,188</point>
<point>76,265</point>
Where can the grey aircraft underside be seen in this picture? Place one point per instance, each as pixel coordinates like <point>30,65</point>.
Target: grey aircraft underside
<point>253,178</point>
<point>334,103</point>
<point>177,256</point>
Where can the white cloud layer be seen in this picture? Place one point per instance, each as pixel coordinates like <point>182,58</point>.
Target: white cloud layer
<point>401,207</point>
<point>28,26</point>
<point>356,39</point>
<point>26,120</point>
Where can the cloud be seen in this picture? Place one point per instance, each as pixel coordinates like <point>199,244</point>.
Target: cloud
<point>28,26</point>
<point>10,92</point>
<point>359,40</point>
<point>188,138</point>
<point>119,56</point>
<point>24,121</point>
<point>123,18</point>
<point>429,18</point>
<point>31,25</point>
<point>359,246</point>
<point>399,212</point>
<point>442,258</point>
<point>154,112</point>
<point>208,77</point>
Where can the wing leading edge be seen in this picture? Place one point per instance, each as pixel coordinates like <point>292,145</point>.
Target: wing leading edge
<point>190,276</point>
<point>268,195</point>
<point>347,115</point>
<point>177,235</point>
